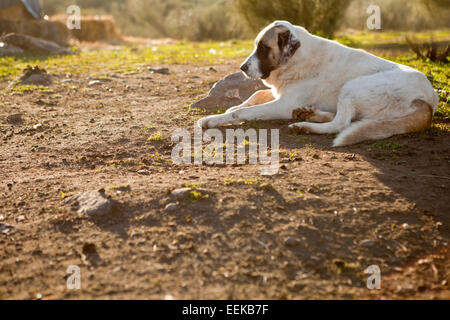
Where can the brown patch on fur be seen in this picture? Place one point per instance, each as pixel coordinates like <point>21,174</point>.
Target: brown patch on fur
<point>261,97</point>
<point>275,47</point>
<point>302,114</point>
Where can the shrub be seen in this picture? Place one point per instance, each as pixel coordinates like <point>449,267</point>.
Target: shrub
<point>318,16</point>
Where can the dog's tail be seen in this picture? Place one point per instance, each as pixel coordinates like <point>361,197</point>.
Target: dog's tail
<point>418,120</point>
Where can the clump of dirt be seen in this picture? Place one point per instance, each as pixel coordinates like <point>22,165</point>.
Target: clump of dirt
<point>33,76</point>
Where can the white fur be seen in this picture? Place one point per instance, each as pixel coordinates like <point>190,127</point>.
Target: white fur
<point>253,66</point>
<point>353,84</point>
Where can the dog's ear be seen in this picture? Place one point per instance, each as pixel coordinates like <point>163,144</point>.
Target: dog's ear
<point>288,45</point>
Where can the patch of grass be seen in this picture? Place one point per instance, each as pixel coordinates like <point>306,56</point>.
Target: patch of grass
<point>31,88</point>
<point>65,195</point>
<point>386,145</point>
<point>156,137</point>
<point>120,188</point>
<point>126,163</point>
<point>126,60</point>
<point>196,195</point>
<point>371,39</point>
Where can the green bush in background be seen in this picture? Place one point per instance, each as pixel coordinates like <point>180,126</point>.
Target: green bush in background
<point>319,16</point>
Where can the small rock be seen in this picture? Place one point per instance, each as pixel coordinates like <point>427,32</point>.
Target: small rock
<point>171,207</point>
<point>159,70</point>
<point>20,218</point>
<point>406,226</point>
<point>92,203</point>
<point>37,126</point>
<point>94,82</point>
<point>367,243</point>
<point>180,193</point>
<point>70,81</point>
<point>14,118</point>
<point>169,297</point>
<point>297,285</point>
<point>290,242</point>
<point>144,172</point>
<point>5,229</point>
<point>31,44</point>
<point>89,254</point>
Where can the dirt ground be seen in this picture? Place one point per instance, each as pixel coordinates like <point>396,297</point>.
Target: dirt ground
<point>308,232</point>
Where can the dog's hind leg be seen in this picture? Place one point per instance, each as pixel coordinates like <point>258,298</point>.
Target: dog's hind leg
<point>418,120</point>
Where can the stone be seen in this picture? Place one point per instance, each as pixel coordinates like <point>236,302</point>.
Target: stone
<point>159,70</point>
<point>31,44</point>
<point>94,82</point>
<point>9,50</point>
<point>230,91</point>
<point>180,193</point>
<point>367,243</point>
<point>5,229</point>
<point>92,203</point>
<point>171,207</point>
<point>290,242</point>
<point>406,226</point>
<point>14,118</point>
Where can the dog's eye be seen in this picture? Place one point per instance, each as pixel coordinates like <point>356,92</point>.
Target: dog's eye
<point>263,47</point>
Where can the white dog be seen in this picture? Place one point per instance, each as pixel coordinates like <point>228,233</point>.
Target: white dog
<point>336,88</point>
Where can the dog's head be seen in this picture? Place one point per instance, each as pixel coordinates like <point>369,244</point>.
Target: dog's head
<point>274,46</point>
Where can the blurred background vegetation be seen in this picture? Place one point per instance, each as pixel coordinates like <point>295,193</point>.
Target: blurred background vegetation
<point>241,19</point>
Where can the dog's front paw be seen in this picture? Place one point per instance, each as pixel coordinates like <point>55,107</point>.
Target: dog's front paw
<point>299,128</point>
<point>211,121</point>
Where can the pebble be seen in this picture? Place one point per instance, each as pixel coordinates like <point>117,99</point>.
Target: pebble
<point>298,285</point>
<point>20,218</point>
<point>290,242</point>
<point>180,193</point>
<point>94,82</point>
<point>5,229</point>
<point>144,172</point>
<point>159,70</point>
<point>406,226</point>
<point>367,243</point>
<point>92,203</point>
<point>15,117</point>
<point>171,207</point>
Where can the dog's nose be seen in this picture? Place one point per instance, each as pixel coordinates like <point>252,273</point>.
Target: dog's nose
<point>244,67</point>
